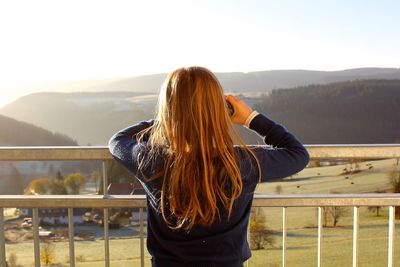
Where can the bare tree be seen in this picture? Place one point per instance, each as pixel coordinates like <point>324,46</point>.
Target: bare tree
<point>260,235</point>
<point>336,213</point>
<point>324,216</point>
<point>394,179</point>
<point>95,177</point>
<point>376,208</point>
<point>357,165</point>
<point>352,167</point>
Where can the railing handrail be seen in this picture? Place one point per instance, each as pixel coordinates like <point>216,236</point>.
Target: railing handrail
<point>329,151</point>
<point>358,151</point>
<point>139,201</point>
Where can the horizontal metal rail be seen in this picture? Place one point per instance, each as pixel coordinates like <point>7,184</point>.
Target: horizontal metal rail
<point>2,240</point>
<point>373,151</point>
<point>139,201</point>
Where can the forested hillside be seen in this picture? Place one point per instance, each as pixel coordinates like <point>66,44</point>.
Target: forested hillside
<point>365,111</point>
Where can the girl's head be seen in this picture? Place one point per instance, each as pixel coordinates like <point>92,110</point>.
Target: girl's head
<point>192,110</point>
<point>194,129</point>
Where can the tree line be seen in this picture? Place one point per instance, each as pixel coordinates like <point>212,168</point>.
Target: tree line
<point>360,111</point>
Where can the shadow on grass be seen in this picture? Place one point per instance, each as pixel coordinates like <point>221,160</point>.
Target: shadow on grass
<point>302,179</point>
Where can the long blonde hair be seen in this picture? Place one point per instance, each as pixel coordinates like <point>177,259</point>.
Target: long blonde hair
<point>194,129</point>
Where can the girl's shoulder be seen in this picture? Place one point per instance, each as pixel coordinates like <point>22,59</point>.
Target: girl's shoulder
<point>149,160</point>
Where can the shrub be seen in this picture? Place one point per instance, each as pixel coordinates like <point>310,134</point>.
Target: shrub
<point>47,253</point>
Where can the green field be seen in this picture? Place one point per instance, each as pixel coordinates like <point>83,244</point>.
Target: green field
<point>301,227</point>
<point>337,242</point>
<point>323,180</point>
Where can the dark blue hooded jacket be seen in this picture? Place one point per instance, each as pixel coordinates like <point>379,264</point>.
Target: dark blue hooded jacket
<point>225,242</point>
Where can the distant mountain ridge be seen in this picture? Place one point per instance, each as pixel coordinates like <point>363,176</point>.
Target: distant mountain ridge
<point>239,82</point>
<point>260,80</point>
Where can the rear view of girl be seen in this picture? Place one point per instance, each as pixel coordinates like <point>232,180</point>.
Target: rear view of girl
<point>199,185</point>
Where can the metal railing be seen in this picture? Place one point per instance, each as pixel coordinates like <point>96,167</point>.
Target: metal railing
<point>127,201</point>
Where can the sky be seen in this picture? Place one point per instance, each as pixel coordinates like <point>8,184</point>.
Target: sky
<point>45,41</point>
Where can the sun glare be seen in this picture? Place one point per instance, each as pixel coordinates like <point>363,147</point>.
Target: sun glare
<point>46,41</point>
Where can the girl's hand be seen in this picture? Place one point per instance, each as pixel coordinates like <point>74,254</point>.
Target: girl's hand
<point>240,110</point>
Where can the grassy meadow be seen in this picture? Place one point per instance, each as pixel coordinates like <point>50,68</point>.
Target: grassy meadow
<point>301,227</point>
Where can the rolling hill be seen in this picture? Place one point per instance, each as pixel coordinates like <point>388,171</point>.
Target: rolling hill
<point>17,133</point>
<point>360,111</point>
<point>89,117</point>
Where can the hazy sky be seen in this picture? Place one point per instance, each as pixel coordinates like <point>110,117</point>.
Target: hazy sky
<point>44,41</point>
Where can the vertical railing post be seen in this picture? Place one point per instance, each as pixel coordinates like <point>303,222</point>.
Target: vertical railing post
<point>105,219</point>
<point>36,242</point>
<point>248,239</point>
<point>104,165</point>
<point>391,236</point>
<point>141,237</point>
<point>2,240</point>
<point>283,236</point>
<point>355,236</point>
<point>320,224</point>
<point>106,238</point>
<point>71,237</point>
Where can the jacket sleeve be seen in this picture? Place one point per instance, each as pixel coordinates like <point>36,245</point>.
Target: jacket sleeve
<point>284,155</point>
<point>123,145</point>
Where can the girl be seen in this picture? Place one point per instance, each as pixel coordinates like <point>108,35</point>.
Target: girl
<point>199,185</point>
